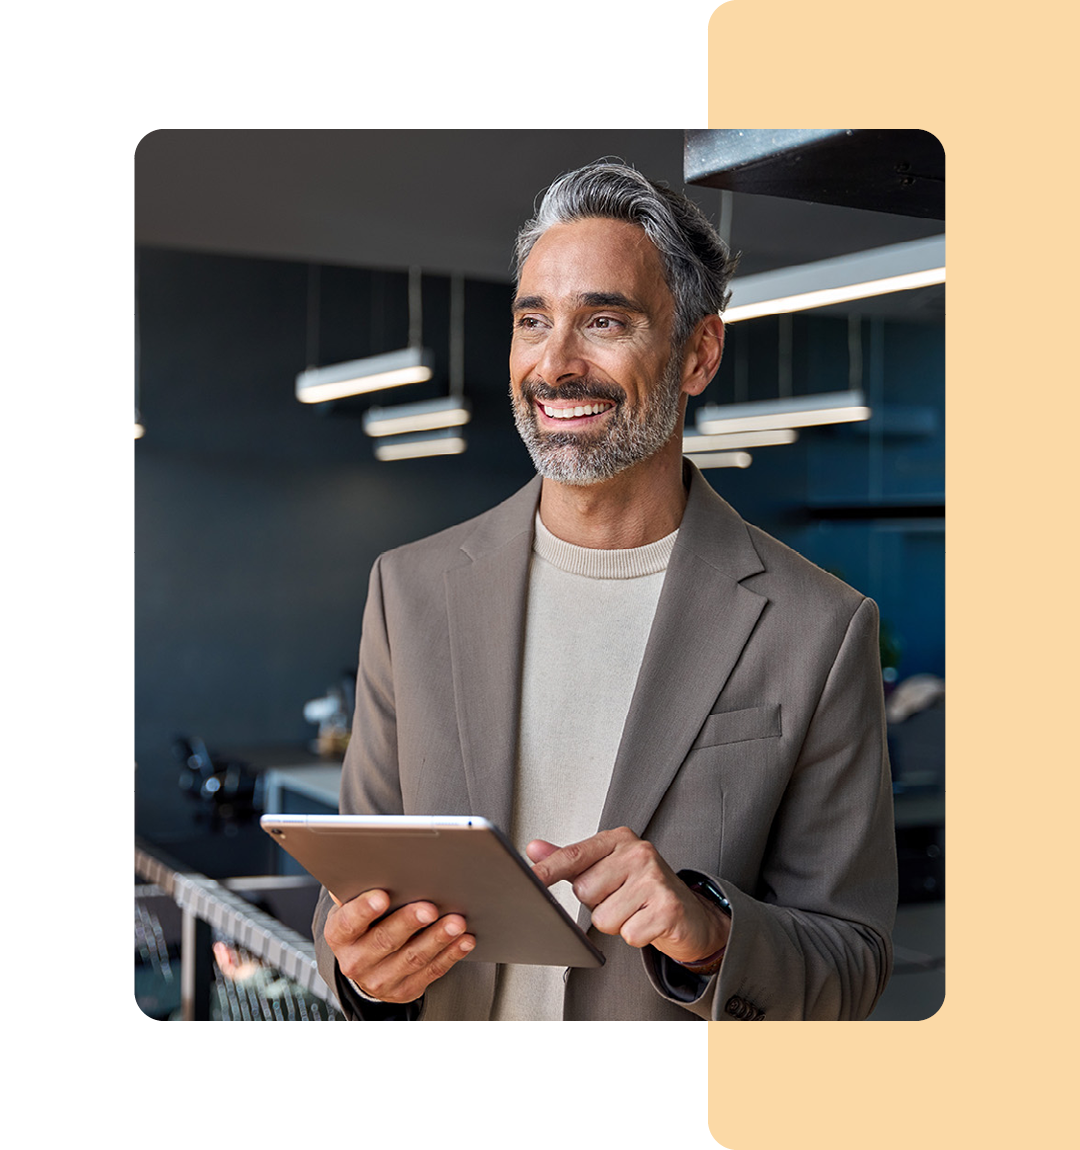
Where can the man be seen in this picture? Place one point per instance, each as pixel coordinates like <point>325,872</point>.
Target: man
<point>668,709</point>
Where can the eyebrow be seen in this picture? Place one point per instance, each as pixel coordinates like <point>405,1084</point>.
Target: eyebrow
<point>584,299</point>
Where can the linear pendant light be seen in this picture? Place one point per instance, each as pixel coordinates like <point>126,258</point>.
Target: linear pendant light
<point>444,441</point>
<point>431,421</point>
<point>699,443</point>
<point>393,369</point>
<point>878,271</point>
<point>447,411</point>
<point>793,411</point>
<point>412,364</point>
<point>706,459</point>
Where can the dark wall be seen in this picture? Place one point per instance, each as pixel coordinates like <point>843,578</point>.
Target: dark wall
<point>258,517</point>
<point>865,501</point>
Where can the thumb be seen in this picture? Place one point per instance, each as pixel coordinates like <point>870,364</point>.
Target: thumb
<point>540,849</point>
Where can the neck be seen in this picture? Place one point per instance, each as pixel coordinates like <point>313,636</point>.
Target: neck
<point>636,507</point>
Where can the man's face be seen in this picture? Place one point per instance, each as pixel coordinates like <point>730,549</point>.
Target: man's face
<point>595,384</point>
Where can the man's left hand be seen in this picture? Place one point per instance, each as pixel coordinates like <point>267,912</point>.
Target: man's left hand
<point>632,892</point>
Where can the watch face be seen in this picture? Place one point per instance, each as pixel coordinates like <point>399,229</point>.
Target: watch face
<point>704,886</point>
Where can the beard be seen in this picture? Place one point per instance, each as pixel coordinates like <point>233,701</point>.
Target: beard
<point>631,434</point>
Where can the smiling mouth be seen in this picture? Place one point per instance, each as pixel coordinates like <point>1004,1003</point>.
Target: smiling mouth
<point>578,411</point>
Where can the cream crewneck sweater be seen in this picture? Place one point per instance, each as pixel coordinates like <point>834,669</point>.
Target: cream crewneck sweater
<point>588,619</point>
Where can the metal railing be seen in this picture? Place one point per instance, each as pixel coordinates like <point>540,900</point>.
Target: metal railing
<point>279,956</point>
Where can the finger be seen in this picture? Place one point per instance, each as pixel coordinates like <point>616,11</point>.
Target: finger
<point>404,975</point>
<point>392,932</point>
<point>640,916</point>
<point>686,933</point>
<point>540,849</point>
<point>347,921</point>
<point>394,957</point>
<point>634,880</point>
<point>570,861</point>
<point>359,953</point>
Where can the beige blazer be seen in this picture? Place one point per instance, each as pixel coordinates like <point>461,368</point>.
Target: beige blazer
<point>753,752</point>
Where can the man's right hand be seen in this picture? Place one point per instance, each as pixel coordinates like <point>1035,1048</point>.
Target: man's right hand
<point>396,958</point>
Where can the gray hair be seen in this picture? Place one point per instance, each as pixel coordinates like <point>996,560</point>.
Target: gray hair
<point>697,263</point>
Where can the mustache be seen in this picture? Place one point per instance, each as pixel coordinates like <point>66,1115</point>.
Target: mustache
<point>584,389</point>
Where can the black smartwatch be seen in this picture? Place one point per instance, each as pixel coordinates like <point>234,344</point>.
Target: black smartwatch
<point>704,886</point>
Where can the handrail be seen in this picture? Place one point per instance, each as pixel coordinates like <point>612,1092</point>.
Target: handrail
<point>205,900</point>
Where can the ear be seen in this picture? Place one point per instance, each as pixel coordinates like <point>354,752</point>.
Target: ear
<point>702,357</point>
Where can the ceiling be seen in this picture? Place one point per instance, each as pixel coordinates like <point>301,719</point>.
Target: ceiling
<point>451,201</point>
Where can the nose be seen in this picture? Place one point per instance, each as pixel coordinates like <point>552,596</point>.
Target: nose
<point>561,357</point>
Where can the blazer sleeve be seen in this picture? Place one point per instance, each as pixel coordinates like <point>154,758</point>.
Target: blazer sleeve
<point>814,941</point>
<point>369,783</point>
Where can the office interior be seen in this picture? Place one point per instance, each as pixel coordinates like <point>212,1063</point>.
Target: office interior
<point>263,254</point>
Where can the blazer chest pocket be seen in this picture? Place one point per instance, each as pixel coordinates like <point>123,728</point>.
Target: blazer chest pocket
<point>739,726</point>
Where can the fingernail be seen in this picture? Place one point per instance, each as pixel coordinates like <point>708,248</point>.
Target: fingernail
<point>425,914</point>
<point>466,944</point>
<point>377,903</point>
<point>454,929</point>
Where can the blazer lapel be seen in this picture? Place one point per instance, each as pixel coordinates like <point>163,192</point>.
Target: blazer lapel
<point>486,600</point>
<point>703,620</point>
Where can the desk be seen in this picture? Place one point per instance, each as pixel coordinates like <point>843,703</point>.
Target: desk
<point>310,788</point>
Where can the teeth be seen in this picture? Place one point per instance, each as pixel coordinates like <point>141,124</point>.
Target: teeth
<point>574,412</point>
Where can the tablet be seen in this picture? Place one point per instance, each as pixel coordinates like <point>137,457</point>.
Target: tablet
<point>463,864</point>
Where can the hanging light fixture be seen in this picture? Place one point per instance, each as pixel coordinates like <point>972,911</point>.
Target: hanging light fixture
<point>699,443</point>
<point>707,459</point>
<point>773,421</point>
<point>449,411</point>
<point>395,368</point>
<point>788,411</point>
<point>775,414</point>
<point>444,441</point>
<point>412,364</point>
<point>434,419</point>
<point>878,271</point>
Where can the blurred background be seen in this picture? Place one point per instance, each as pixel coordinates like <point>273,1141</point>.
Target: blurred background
<point>264,254</point>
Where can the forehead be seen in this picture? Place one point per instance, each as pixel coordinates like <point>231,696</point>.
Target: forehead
<point>590,256</point>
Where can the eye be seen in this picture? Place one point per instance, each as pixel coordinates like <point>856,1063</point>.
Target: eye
<point>527,322</point>
<point>605,322</point>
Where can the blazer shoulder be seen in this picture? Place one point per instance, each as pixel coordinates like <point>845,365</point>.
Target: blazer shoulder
<point>720,536</point>
<point>785,570</point>
<point>456,544</point>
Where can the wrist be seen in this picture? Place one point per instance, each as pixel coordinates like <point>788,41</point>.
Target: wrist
<point>361,991</point>
<point>718,910</point>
